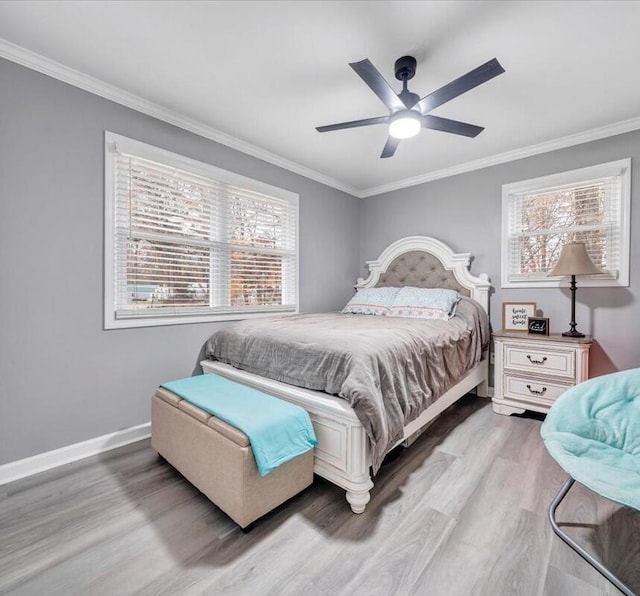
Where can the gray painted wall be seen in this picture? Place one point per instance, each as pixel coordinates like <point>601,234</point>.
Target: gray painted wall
<point>63,379</point>
<point>465,212</point>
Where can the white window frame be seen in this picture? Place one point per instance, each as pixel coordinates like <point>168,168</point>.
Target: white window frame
<point>621,168</point>
<point>145,151</point>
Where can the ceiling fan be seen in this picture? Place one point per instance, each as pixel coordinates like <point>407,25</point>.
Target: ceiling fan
<point>408,113</point>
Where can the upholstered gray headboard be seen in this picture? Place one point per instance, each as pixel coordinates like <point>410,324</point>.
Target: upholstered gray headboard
<point>420,269</point>
<point>425,262</point>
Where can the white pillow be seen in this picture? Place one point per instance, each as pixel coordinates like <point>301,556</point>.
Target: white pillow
<point>371,301</point>
<point>425,303</point>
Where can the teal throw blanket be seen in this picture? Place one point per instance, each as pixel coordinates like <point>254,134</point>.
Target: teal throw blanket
<point>278,430</point>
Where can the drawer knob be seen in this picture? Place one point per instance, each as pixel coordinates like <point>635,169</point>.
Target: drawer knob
<point>534,361</point>
<point>537,391</point>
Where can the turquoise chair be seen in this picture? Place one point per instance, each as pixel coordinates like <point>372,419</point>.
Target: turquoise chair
<point>593,432</point>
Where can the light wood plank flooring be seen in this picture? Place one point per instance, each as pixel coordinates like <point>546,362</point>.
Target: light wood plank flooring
<point>463,511</point>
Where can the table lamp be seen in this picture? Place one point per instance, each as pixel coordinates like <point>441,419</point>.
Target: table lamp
<point>573,261</point>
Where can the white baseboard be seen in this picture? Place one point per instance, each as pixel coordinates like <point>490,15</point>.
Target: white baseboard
<point>58,457</point>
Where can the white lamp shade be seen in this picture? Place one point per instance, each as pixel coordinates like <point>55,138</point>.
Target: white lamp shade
<point>574,260</point>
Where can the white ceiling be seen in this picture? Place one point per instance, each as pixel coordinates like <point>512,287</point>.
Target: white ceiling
<point>267,73</point>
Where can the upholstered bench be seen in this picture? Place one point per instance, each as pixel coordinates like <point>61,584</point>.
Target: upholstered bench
<point>217,459</point>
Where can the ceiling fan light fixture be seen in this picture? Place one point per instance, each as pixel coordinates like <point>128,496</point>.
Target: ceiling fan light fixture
<point>405,124</point>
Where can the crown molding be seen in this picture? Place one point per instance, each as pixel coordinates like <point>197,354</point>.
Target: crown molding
<point>56,70</point>
<point>39,63</point>
<point>561,143</point>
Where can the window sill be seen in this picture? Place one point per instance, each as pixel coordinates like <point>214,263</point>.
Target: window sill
<point>133,322</point>
<point>582,281</point>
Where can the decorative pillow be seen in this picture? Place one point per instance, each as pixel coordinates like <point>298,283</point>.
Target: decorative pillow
<point>425,303</point>
<point>371,301</point>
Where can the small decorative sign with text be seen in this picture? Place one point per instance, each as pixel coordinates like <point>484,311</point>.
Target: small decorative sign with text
<point>516,314</point>
<point>538,325</point>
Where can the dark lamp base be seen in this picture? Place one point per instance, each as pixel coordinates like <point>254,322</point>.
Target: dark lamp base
<point>572,333</point>
<point>572,325</point>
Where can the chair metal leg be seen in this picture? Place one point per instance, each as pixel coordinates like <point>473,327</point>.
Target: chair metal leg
<point>576,547</point>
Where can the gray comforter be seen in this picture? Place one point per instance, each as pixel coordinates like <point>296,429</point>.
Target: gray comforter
<point>390,369</point>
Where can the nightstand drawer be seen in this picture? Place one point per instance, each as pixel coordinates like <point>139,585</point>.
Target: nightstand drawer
<point>545,361</point>
<point>533,390</point>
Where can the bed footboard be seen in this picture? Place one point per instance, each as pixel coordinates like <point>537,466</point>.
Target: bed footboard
<point>342,454</point>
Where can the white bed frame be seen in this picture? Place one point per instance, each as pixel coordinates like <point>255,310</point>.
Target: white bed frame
<point>342,455</point>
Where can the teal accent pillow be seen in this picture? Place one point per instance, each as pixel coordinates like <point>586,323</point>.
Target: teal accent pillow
<point>425,303</point>
<point>371,301</point>
<point>593,432</point>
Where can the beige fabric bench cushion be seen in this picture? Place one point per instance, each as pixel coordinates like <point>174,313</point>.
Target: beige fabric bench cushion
<point>217,459</point>
<point>170,398</point>
<point>226,430</point>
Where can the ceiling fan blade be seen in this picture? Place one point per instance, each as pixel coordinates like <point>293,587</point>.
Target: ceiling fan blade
<point>376,82</point>
<point>452,126</point>
<point>390,147</point>
<point>461,85</point>
<point>354,124</point>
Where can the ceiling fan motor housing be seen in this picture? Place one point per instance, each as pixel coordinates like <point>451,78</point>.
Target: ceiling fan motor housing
<point>405,68</point>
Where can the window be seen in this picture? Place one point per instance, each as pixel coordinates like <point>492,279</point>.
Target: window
<point>188,242</point>
<point>589,205</point>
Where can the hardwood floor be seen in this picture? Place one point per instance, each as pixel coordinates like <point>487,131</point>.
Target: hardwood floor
<point>463,511</point>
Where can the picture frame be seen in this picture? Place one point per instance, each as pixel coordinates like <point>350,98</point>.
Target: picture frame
<point>538,325</point>
<point>515,316</point>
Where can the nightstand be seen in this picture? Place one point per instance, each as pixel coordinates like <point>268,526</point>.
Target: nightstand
<point>532,371</point>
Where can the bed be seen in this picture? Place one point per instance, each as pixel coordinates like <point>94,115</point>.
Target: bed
<point>346,453</point>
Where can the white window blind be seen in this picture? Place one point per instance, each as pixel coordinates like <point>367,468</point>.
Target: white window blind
<point>191,242</point>
<point>590,205</point>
